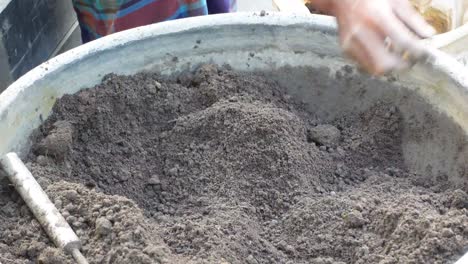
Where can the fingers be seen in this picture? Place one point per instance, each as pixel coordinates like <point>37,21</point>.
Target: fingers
<point>412,19</point>
<point>382,35</point>
<point>403,41</point>
<point>367,47</point>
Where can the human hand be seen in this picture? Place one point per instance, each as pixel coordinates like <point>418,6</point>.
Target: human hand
<point>379,34</point>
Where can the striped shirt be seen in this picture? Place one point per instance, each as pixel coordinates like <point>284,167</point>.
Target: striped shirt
<point>99,18</point>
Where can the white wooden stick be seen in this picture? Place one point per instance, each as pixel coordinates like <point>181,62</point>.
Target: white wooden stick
<point>463,260</point>
<point>39,203</point>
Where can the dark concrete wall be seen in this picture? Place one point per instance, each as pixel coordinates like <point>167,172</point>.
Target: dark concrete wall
<point>5,75</point>
<point>30,31</point>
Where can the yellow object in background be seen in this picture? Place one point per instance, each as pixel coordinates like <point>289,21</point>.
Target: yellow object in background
<point>440,19</point>
<point>443,15</point>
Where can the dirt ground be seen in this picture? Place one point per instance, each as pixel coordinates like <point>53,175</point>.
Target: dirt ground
<point>224,167</point>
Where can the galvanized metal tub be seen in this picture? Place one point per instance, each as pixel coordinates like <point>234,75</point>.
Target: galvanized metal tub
<point>300,51</point>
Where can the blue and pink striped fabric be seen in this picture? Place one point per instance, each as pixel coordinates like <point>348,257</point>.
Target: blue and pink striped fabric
<point>98,18</point>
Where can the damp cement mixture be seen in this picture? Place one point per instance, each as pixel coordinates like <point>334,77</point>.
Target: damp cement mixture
<point>223,167</point>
